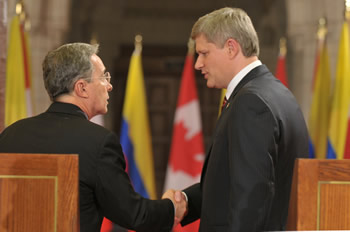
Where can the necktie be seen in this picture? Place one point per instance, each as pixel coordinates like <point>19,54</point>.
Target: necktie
<point>223,103</point>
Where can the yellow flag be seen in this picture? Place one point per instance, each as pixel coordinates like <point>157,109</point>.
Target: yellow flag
<point>320,106</point>
<point>15,100</point>
<point>341,99</point>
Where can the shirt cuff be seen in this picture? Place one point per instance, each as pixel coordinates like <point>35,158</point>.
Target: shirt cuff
<point>185,196</point>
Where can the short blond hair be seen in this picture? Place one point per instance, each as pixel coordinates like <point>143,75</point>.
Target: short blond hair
<point>225,23</point>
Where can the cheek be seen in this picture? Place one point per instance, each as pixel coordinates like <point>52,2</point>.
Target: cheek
<point>214,66</point>
<point>220,66</point>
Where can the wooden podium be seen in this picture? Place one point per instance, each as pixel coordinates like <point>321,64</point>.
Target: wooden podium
<point>320,195</point>
<point>39,192</point>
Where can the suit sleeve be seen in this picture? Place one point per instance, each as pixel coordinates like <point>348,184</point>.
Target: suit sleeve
<point>118,200</point>
<point>194,195</point>
<point>252,133</point>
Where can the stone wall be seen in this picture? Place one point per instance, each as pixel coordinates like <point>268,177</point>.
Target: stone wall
<point>3,49</point>
<point>115,23</point>
<point>302,24</point>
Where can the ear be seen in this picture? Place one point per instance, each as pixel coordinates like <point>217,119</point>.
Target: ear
<point>80,88</point>
<point>233,47</point>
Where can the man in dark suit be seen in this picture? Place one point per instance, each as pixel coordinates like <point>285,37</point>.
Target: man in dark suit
<point>246,178</point>
<point>77,83</point>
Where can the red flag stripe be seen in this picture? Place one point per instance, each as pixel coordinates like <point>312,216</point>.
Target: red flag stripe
<point>281,73</point>
<point>25,57</point>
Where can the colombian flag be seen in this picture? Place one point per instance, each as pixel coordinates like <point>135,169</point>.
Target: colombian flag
<point>340,105</point>
<point>135,136</point>
<point>321,99</point>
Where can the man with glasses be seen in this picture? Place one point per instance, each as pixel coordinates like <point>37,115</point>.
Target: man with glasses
<point>78,85</point>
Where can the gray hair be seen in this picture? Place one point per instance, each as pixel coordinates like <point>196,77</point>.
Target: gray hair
<point>225,23</point>
<point>65,65</point>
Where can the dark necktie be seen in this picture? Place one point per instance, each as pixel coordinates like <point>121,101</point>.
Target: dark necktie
<point>223,103</point>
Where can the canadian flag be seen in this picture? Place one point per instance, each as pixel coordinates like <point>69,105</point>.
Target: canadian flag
<point>187,150</point>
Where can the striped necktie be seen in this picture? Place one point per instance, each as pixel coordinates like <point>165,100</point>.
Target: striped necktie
<point>223,103</point>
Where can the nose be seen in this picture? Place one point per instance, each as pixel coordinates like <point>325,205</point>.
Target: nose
<point>109,87</point>
<point>199,64</point>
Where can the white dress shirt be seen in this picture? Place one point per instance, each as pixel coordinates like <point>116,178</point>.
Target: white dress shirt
<point>236,79</point>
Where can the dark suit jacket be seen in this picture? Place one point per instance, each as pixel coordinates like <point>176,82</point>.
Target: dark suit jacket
<point>104,186</point>
<point>247,174</point>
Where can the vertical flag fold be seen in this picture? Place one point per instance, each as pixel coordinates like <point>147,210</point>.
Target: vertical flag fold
<point>135,136</point>
<point>27,69</point>
<point>341,98</point>
<point>281,72</point>
<point>187,150</point>
<point>320,106</point>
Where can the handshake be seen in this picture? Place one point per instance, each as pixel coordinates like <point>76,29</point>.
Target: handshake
<point>180,203</point>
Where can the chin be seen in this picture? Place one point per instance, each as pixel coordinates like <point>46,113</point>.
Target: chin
<point>209,85</point>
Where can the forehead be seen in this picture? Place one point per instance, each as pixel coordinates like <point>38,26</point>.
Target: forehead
<point>97,62</point>
<point>202,43</point>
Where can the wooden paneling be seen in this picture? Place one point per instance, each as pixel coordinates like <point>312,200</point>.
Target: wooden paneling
<point>320,196</point>
<point>334,205</point>
<point>39,192</point>
<point>21,197</point>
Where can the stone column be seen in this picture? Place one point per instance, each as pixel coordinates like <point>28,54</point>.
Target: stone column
<point>3,45</point>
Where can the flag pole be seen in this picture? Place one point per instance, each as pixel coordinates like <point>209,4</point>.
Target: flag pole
<point>94,38</point>
<point>20,11</point>
<point>138,43</point>
<point>283,46</point>
<point>322,31</point>
<point>322,28</point>
<point>190,47</point>
<point>23,15</point>
<point>347,10</point>
<point>281,72</point>
<point>19,7</point>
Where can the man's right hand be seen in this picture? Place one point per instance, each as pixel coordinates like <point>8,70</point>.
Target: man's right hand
<point>179,202</point>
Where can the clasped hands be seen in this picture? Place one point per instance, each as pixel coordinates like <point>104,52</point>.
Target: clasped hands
<point>180,204</point>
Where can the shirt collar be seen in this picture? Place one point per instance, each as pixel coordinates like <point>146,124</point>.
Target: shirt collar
<point>68,108</point>
<point>236,79</point>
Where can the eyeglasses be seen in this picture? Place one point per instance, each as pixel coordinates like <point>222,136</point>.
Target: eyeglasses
<point>106,76</point>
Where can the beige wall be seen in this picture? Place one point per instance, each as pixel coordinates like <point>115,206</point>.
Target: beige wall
<point>303,16</point>
<point>51,20</point>
<point>3,51</point>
